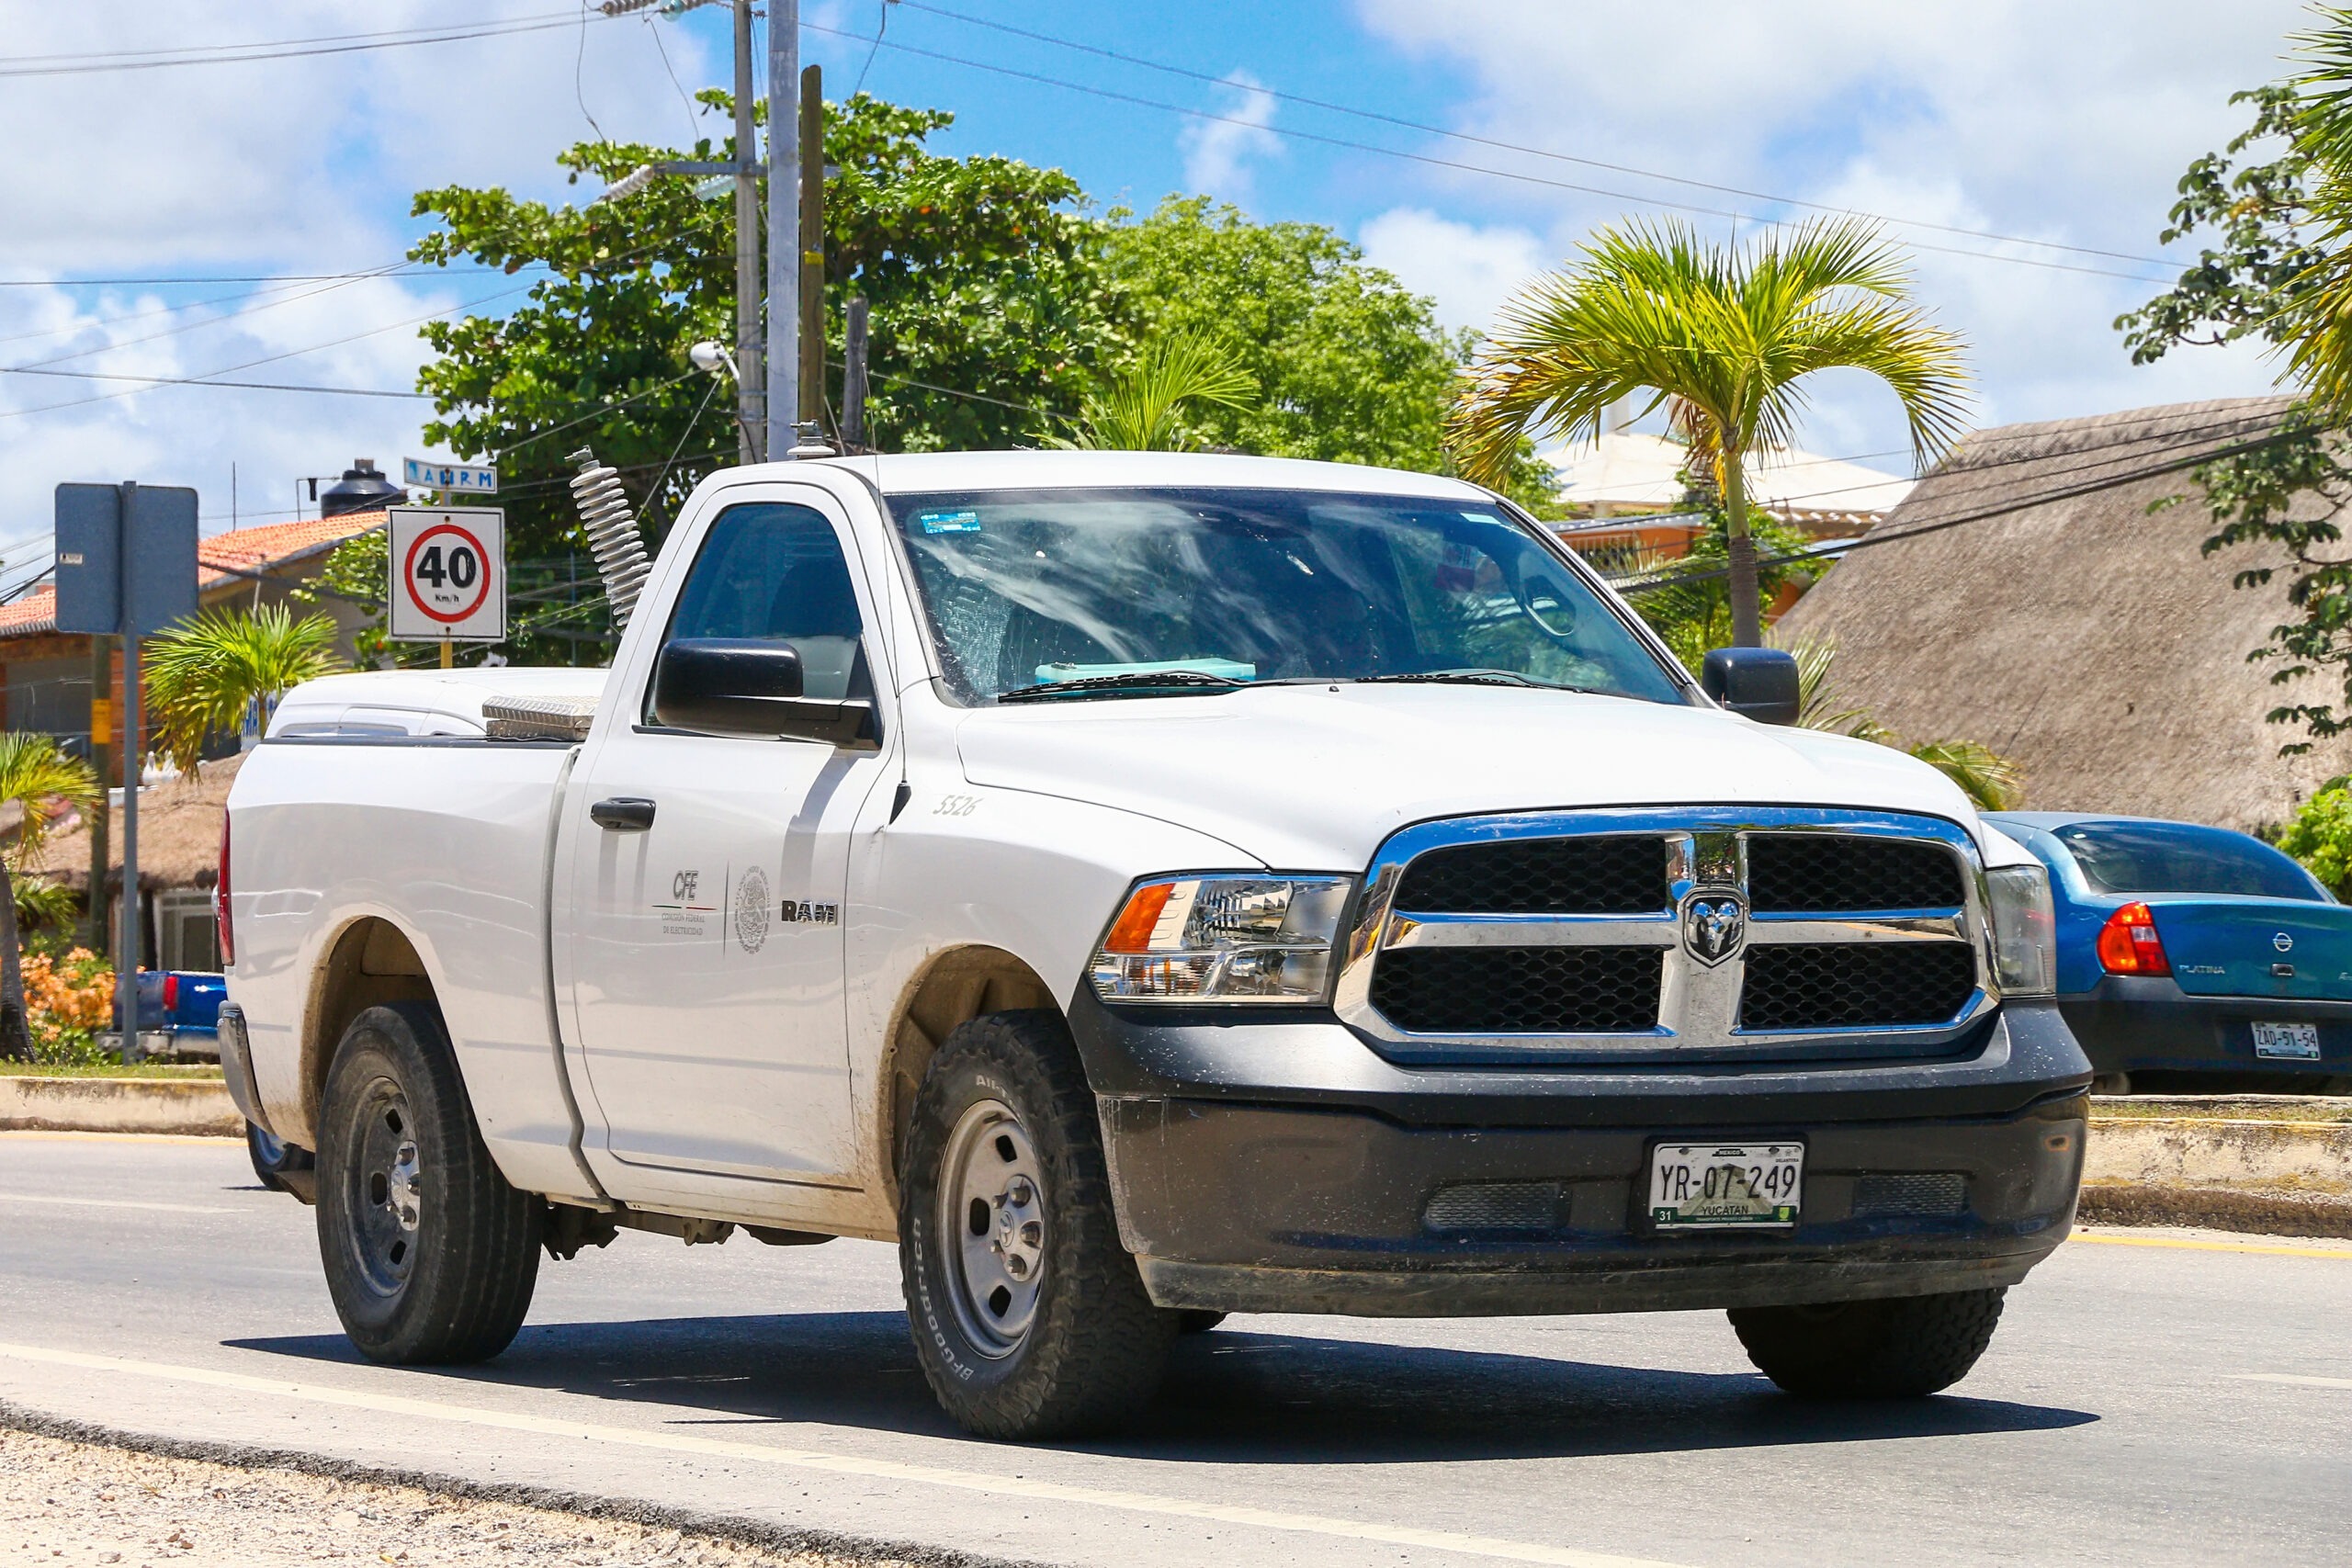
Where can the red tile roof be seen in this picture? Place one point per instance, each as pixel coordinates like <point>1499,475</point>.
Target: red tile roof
<point>220,560</point>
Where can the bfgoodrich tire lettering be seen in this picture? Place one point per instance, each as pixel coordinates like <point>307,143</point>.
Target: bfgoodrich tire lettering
<point>430,1256</point>
<point>1029,1317</point>
<point>1897,1349</point>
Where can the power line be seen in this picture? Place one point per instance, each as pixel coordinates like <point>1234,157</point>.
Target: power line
<point>1401,123</point>
<point>256,277</point>
<point>1431,159</point>
<point>194,381</point>
<point>280,48</point>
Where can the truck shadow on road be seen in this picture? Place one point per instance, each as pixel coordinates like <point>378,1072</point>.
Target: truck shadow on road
<point>1231,1396</point>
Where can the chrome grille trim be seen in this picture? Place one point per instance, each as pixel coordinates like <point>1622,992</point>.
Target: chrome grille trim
<point>1699,1002</point>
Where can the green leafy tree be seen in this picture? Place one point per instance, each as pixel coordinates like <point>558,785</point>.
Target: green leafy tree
<point>1143,408</point>
<point>204,674</point>
<point>2321,836</point>
<point>43,781</point>
<point>1350,367</point>
<point>1722,336</point>
<point>2275,210</point>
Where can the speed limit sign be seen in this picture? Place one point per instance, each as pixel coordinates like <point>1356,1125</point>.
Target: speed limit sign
<point>448,574</point>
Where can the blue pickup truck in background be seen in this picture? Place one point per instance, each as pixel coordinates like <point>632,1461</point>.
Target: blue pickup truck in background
<point>183,1006</point>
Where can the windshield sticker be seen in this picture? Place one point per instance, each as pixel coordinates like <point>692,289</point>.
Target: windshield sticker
<point>948,522</point>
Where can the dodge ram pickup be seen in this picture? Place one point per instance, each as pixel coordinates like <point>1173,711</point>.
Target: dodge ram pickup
<point>1146,888</point>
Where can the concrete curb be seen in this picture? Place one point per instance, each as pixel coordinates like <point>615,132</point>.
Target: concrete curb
<point>2279,1165</point>
<point>197,1106</point>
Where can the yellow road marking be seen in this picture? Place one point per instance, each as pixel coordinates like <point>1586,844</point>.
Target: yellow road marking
<point>843,1465</point>
<point>2292,1378</point>
<point>113,1203</point>
<point>2179,1244</point>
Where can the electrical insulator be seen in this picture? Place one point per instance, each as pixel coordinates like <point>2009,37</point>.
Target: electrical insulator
<point>610,523</point>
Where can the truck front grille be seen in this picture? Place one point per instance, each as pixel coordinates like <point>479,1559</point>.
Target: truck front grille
<point>1659,928</point>
<point>1603,874</point>
<point>1822,872</point>
<point>1519,990</point>
<point>1849,985</point>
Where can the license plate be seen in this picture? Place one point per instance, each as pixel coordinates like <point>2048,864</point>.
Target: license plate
<point>2287,1042</point>
<point>1726,1186</point>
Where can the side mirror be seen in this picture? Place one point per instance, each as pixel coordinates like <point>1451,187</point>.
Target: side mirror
<point>1760,682</point>
<point>749,686</point>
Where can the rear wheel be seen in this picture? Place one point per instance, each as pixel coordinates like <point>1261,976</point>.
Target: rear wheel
<point>430,1256</point>
<point>1029,1317</point>
<point>1898,1348</point>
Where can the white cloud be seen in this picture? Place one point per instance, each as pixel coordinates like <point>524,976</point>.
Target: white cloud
<point>2066,123</point>
<point>1217,152</point>
<point>288,165</point>
<point>1466,269</point>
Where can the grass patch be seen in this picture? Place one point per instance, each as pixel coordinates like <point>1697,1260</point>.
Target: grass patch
<point>198,1071</point>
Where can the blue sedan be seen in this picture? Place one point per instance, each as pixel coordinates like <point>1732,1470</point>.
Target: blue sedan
<point>2194,960</point>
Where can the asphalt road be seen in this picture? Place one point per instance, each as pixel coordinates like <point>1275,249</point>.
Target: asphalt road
<point>2152,1398</point>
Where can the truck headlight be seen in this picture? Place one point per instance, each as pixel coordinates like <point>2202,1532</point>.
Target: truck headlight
<point>1223,939</point>
<point>2025,930</point>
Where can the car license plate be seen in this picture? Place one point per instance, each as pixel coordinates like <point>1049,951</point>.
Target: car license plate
<point>2287,1042</point>
<point>1725,1186</point>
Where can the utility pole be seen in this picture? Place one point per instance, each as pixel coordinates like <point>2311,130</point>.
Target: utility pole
<point>751,373</point>
<point>854,375</point>
<point>784,225</point>
<point>812,245</point>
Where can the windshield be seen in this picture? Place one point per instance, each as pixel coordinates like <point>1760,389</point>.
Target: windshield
<point>2151,857</point>
<point>1097,592</point>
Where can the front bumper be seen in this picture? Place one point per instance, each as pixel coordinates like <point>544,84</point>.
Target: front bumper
<point>2131,1023</point>
<point>1287,1168</point>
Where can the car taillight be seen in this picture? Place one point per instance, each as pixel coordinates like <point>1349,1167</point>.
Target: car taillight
<point>220,901</point>
<point>171,994</point>
<point>2127,943</point>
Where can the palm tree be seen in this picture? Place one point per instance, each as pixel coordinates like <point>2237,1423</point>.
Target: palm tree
<point>203,675</point>
<point>43,781</point>
<point>1722,336</point>
<point>1136,411</point>
<point>2316,324</point>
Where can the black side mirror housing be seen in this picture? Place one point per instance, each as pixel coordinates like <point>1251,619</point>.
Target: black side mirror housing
<point>749,686</point>
<point>1758,682</point>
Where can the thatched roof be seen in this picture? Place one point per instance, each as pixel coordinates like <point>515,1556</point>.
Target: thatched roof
<point>2025,596</point>
<point>179,835</point>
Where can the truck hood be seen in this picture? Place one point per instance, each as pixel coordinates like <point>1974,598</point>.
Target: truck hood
<point>1314,777</point>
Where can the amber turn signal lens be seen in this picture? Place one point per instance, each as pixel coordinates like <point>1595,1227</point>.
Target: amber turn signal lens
<point>1131,932</point>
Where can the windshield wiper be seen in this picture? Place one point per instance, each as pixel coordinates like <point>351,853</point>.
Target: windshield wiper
<point>1131,681</point>
<point>1471,678</point>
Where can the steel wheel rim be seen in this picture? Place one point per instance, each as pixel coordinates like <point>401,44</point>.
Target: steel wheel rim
<point>385,1188</point>
<point>992,1214</point>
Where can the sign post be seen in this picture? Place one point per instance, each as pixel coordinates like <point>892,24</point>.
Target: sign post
<point>126,567</point>
<point>448,576</point>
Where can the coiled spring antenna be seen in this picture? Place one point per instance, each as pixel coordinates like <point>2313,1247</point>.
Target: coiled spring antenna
<point>607,517</point>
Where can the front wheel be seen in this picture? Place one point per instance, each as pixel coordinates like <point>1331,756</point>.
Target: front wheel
<point>1899,1348</point>
<point>430,1256</point>
<point>1029,1317</point>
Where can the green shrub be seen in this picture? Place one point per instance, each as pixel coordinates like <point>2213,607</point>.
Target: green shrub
<point>2321,836</point>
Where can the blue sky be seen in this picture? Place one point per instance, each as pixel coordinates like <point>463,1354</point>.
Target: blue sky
<point>2060,123</point>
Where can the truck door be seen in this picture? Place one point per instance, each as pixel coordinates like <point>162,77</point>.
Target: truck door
<point>704,958</point>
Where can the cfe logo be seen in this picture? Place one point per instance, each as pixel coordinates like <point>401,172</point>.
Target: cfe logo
<point>683,886</point>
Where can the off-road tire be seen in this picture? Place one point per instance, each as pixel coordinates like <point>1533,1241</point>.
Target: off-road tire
<point>1094,1348</point>
<point>1903,1347</point>
<point>468,1264</point>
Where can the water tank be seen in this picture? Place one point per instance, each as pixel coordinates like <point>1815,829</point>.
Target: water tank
<point>361,488</point>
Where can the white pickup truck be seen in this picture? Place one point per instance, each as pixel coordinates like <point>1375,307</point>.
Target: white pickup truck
<point>1147,888</point>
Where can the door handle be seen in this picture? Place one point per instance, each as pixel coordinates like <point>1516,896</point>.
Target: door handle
<point>623,814</point>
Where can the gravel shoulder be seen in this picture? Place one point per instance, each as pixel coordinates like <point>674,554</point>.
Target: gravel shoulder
<point>76,1504</point>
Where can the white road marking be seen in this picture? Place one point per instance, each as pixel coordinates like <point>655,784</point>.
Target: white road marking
<point>113,1203</point>
<point>2292,1378</point>
<point>842,1464</point>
